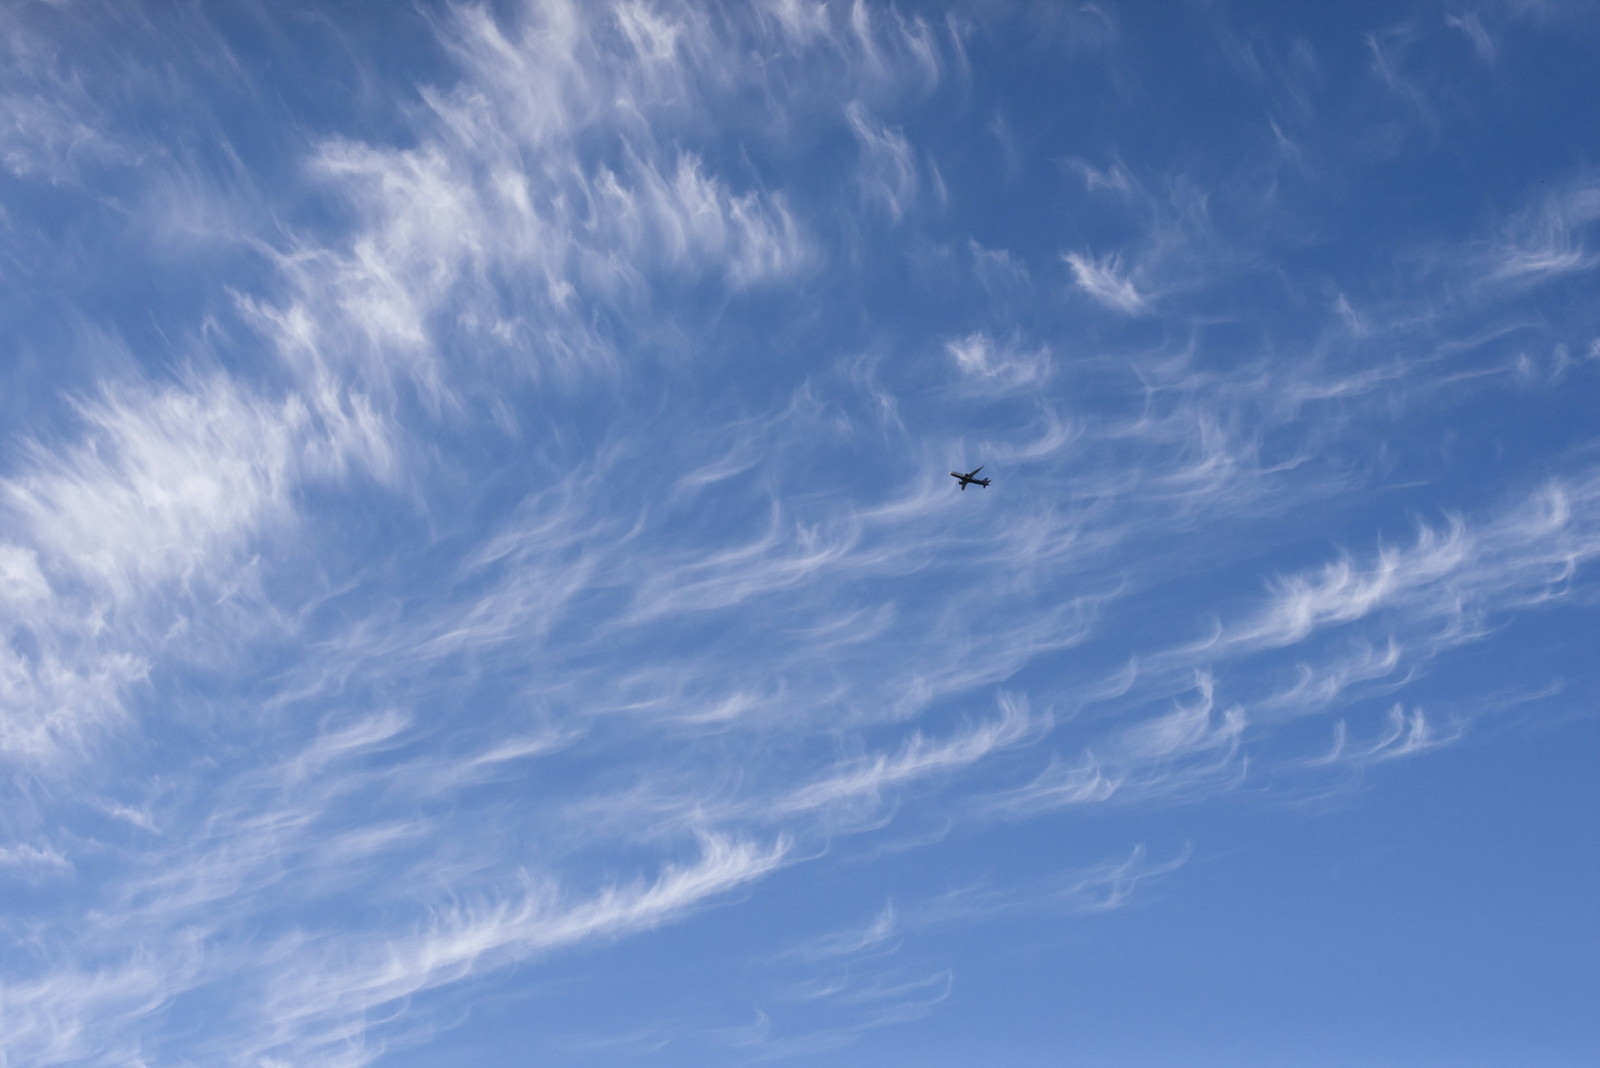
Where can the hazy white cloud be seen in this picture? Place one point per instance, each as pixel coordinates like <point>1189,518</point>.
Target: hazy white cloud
<point>887,171</point>
<point>1105,281</point>
<point>54,122</point>
<point>502,220</point>
<point>1472,26</point>
<point>1062,785</point>
<point>1448,579</point>
<point>987,362</point>
<point>1405,733</point>
<point>879,973</point>
<point>1318,685</point>
<point>881,932</point>
<point>162,485</point>
<point>154,508</point>
<point>22,583</point>
<point>84,1016</point>
<point>863,782</point>
<point>890,47</point>
<point>33,860</point>
<point>1343,591</point>
<point>1114,178</point>
<point>51,140</point>
<point>1549,240</point>
<point>1185,730</point>
<point>1111,884</point>
<point>319,1005</point>
<point>1192,751</point>
<point>693,219</point>
<point>522,522</point>
<point>804,21</point>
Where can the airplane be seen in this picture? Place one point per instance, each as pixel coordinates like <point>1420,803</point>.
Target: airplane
<point>970,477</point>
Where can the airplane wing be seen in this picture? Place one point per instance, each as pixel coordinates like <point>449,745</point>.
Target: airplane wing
<point>975,470</point>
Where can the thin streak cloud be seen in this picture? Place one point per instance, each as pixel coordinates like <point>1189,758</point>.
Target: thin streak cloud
<point>1105,281</point>
<point>476,530</point>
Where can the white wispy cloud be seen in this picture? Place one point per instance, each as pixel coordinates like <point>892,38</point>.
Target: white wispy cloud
<point>544,534</point>
<point>33,860</point>
<point>1449,578</point>
<point>863,782</point>
<point>161,484</point>
<point>1550,239</point>
<point>1114,177</point>
<point>1062,785</point>
<point>53,125</point>
<point>324,1004</point>
<point>1389,49</point>
<point>316,826</point>
<point>1002,365</point>
<point>505,183</point>
<point>1112,884</point>
<point>881,973</point>
<point>1472,26</point>
<point>887,171</point>
<point>157,502</point>
<point>1192,751</point>
<point>1105,281</point>
<point>85,1015</point>
<point>51,140</point>
<point>880,933</point>
<point>1406,733</point>
<point>1318,685</point>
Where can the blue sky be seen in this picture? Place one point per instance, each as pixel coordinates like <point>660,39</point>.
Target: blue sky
<point>481,581</point>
